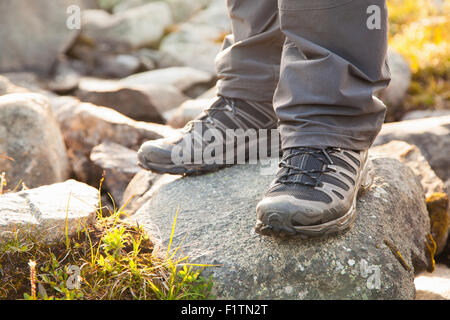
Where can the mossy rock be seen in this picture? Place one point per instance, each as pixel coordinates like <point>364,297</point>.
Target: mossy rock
<point>437,205</point>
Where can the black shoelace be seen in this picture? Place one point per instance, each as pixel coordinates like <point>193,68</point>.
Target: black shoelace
<point>321,154</point>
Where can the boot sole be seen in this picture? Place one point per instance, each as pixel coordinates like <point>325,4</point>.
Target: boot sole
<point>191,169</point>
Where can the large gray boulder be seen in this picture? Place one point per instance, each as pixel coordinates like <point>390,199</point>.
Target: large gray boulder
<point>44,211</point>
<point>33,34</point>
<point>430,135</point>
<point>215,226</point>
<point>31,142</point>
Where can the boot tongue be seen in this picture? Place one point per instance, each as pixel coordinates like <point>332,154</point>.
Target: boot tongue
<point>305,162</point>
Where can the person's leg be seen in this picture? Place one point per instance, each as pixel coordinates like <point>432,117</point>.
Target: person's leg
<point>248,71</point>
<point>332,64</point>
<point>248,67</point>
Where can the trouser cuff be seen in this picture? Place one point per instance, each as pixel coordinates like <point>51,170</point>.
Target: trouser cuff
<point>259,93</point>
<point>325,139</point>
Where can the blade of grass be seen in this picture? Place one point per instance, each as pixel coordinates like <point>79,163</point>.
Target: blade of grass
<point>66,230</point>
<point>172,232</point>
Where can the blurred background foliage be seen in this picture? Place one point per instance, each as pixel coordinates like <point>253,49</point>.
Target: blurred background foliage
<point>420,31</point>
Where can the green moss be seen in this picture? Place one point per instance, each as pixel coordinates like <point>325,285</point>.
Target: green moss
<point>396,252</point>
<point>430,251</point>
<point>437,206</point>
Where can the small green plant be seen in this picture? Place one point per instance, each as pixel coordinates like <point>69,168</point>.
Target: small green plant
<point>112,259</point>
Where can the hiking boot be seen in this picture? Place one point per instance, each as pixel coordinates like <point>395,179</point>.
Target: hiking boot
<point>209,142</point>
<point>314,193</point>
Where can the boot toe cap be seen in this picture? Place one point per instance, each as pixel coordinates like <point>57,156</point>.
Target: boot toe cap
<point>155,151</point>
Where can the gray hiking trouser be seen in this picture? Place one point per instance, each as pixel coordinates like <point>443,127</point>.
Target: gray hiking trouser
<point>321,61</point>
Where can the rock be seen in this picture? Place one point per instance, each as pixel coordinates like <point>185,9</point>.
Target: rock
<point>85,126</point>
<point>26,82</point>
<point>101,63</point>
<point>97,34</point>
<point>116,66</point>
<point>191,109</point>
<point>431,136</point>
<point>434,188</point>
<point>215,15</point>
<point>66,77</point>
<point>188,111</point>
<point>444,257</point>
<point>434,286</point>
<point>209,94</point>
<point>438,209</point>
<point>216,220</point>
<point>30,135</point>
<point>420,114</point>
<point>7,87</point>
<point>138,190</point>
<point>447,186</point>
<point>63,104</point>
<point>131,29</point>
<point>197,42</point>
<point>395,93</point>
<point>108,4</point>
<point>413,158</point>
<point>89,4</point>
<point>123,5</point>
<point>146,62</point>
<point>154,59</point>
<point>195,45</point>
<point>144,102</point>
<point>43,211</point>
<point>119,164</point>
<point>181,9</point>
<point>33,34</point>
<point>182,78</point>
